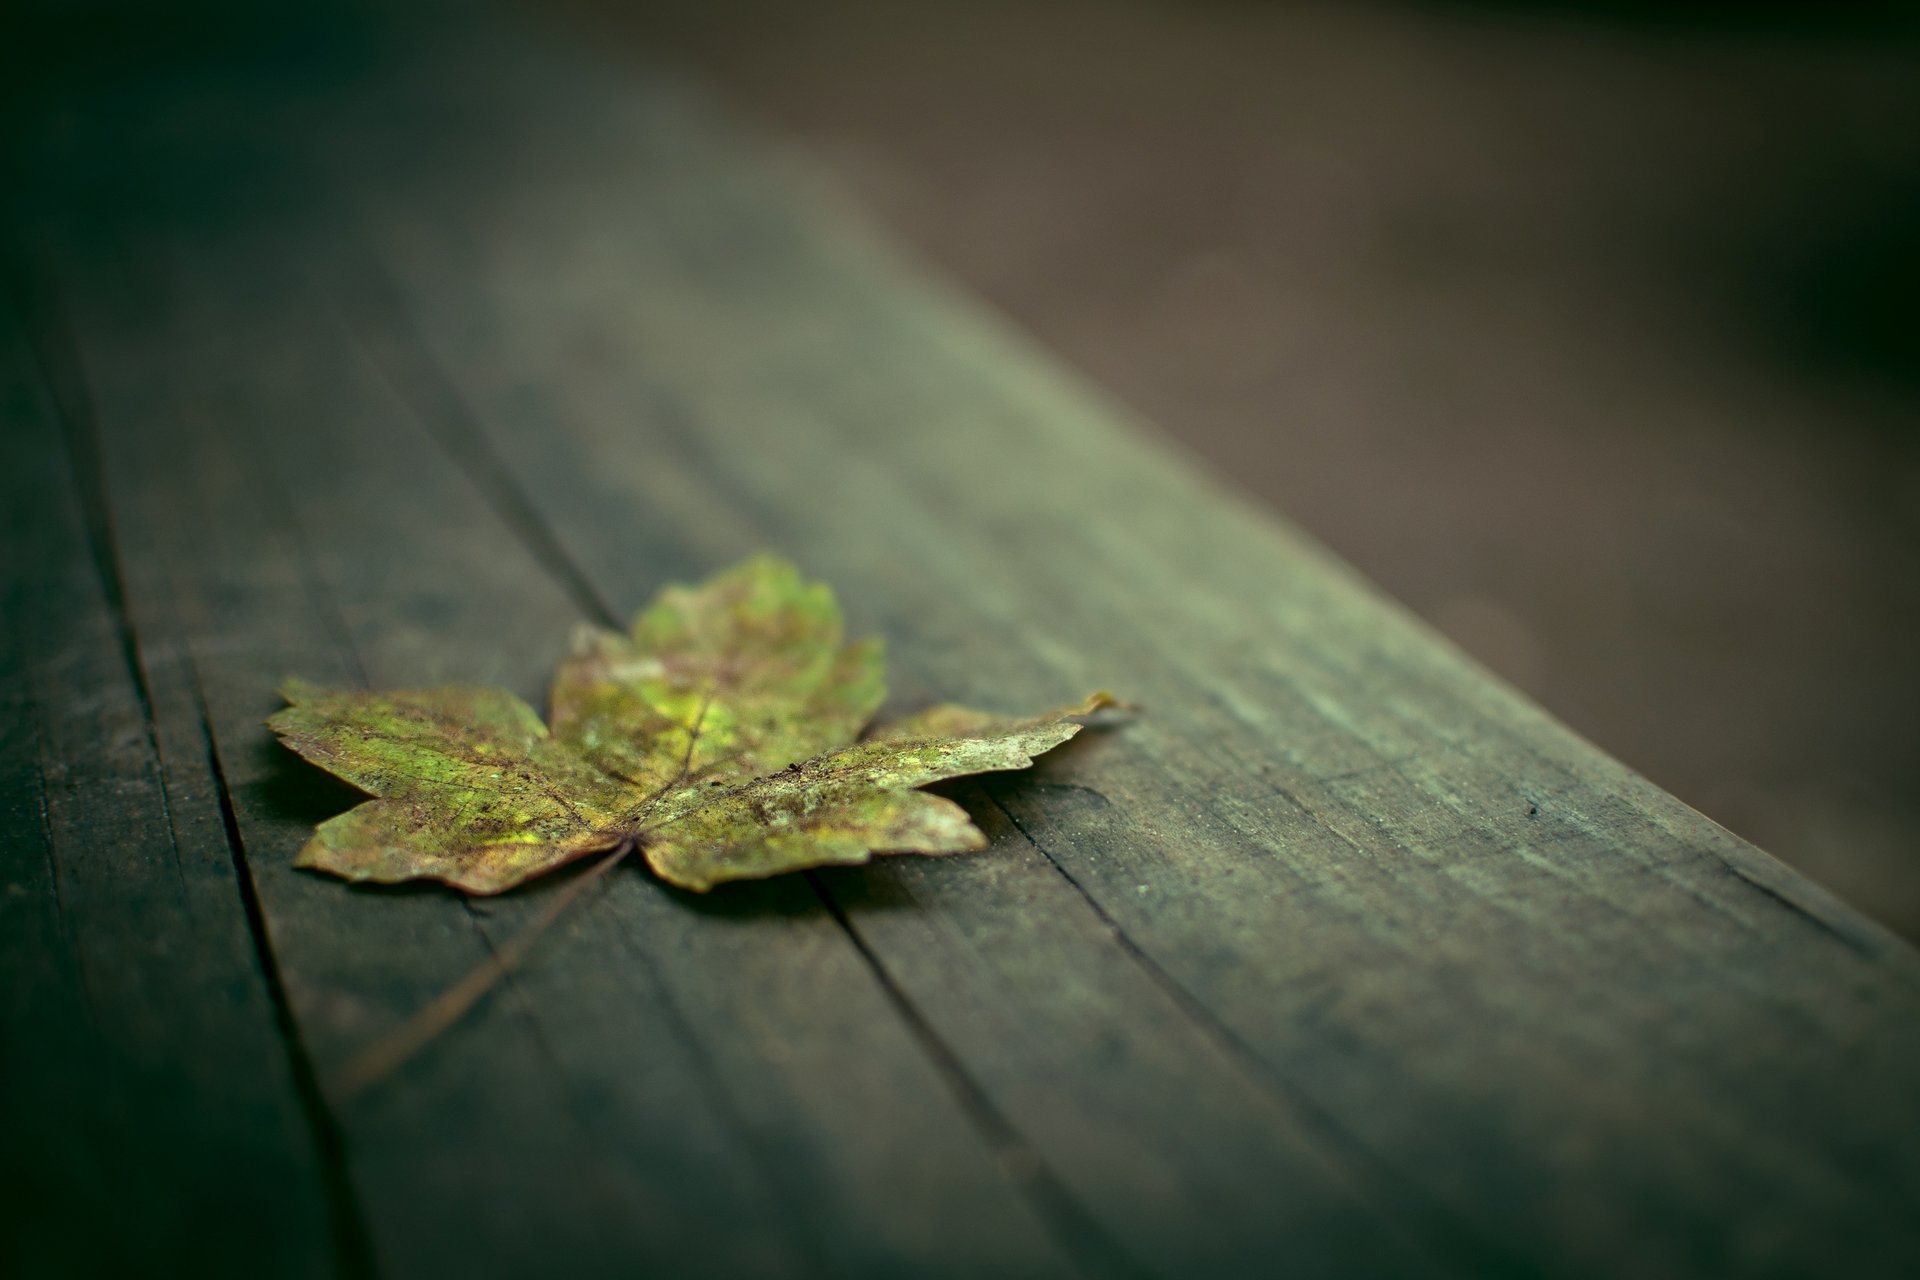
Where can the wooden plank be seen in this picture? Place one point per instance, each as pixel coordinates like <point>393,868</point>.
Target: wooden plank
<point>1590,1024</point>
<point>1232,1164</point>
<point>396,489</point>
<point>144,1079</point>
<point>1341,955</point>
<point>294,519</point>
<point>1119,1110</point>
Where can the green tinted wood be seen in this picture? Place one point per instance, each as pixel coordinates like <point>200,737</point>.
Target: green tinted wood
<point>1340,959</point>
<point>145,1076</point>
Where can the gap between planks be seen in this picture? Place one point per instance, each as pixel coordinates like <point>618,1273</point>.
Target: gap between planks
<point>63,383</point>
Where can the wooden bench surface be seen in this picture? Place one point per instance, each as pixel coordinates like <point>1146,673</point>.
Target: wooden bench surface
<point>386,360</point>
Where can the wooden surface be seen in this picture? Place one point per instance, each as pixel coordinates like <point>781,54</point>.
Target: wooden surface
<point>387,361</point>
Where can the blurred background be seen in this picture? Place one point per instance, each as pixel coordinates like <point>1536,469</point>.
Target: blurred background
<point>1587,330</point>
<point>1590,331</point>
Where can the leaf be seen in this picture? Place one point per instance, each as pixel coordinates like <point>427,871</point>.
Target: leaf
<point>720,737</point>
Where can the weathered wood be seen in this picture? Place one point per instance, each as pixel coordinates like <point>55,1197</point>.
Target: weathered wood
<point>1340,959</point>
<point>576,1123</point>
<point>145,1079</point>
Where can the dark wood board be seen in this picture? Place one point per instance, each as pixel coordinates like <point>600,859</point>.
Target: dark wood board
<point>147,1079</point>
<point>393,361</point>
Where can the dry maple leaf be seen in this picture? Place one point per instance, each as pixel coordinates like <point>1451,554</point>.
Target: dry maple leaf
<point>720,738</point>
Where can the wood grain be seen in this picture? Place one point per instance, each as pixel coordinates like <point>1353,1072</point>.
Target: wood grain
<point>143,1049</point>
<point>1339,959</point>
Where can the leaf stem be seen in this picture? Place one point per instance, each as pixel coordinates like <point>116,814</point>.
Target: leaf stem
<point>385,1055</point>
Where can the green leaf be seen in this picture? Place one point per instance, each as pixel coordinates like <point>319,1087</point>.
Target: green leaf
<point>719,736</point>
<point>753,658</point>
